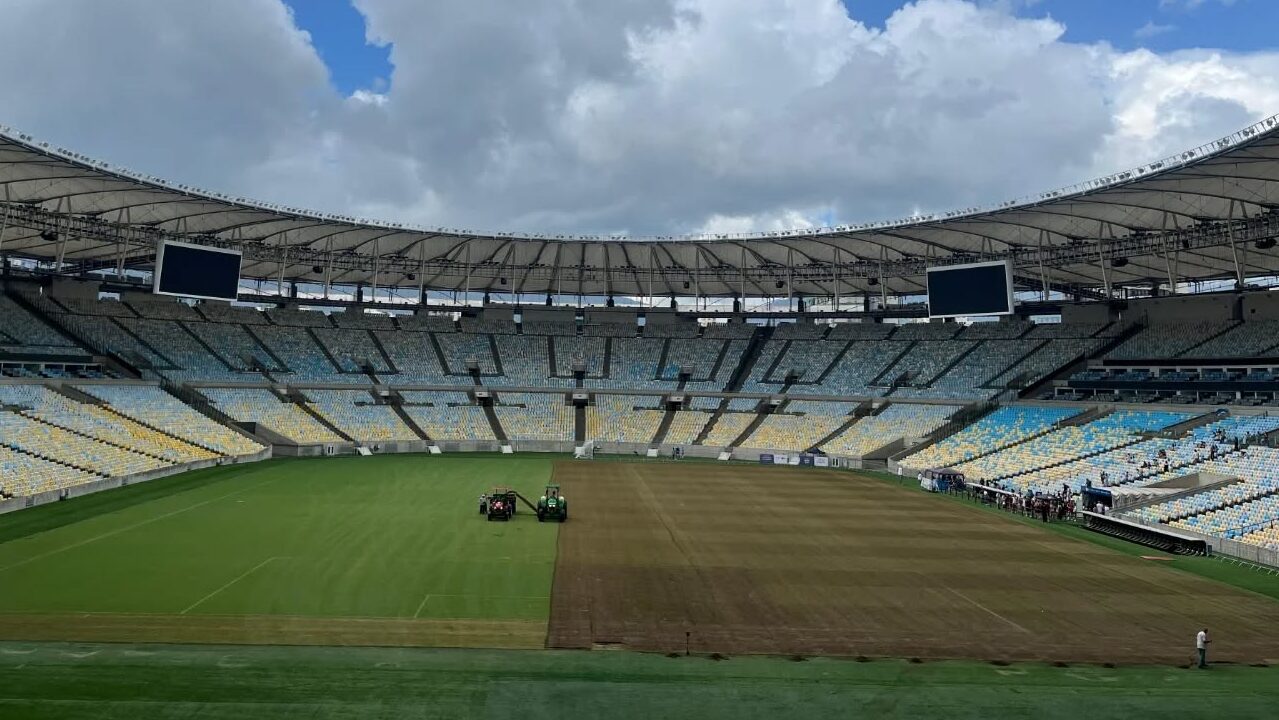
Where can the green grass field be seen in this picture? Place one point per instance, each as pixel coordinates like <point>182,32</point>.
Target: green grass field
<point>394,538</point>
<point>275,559</point>
<point>124,682</point>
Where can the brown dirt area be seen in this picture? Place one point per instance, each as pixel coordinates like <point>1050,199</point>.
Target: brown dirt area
<point>816,562</point>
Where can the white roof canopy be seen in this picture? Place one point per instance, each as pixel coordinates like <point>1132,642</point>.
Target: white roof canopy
<point>1194,216</point>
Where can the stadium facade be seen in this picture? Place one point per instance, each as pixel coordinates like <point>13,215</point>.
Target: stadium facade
<point>105,383</point>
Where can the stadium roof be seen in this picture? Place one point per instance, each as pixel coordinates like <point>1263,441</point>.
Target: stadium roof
<point>1196,215</point>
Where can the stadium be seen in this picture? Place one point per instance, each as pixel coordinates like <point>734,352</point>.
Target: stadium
<point>994,462</point>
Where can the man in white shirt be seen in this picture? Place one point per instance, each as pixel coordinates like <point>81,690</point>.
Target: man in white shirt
<point>1201,645</point>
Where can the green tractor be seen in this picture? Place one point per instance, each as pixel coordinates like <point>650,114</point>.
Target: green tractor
<point>552,505</point>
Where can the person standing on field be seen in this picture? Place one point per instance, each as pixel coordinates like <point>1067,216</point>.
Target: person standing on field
<point>1201,646</point>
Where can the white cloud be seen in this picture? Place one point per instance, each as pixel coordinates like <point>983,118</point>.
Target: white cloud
<point>633,115</point>
<point>1152,29</point>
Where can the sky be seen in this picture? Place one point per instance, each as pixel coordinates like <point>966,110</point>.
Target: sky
<point>639,117</point>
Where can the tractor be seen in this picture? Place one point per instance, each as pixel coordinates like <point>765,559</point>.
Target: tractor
<point>552,505</point>
<point>501,504</point>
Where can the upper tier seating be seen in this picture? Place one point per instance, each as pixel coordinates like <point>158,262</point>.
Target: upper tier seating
<point>307,363</point>
<point>357,319</point>
<point>799,331</point>
<point>759,380</point>
<point>1049,358</point>
<point>900,421</point>
<point>1000,428</point>
<point>1251,339</point>
<point>101,308</point>
<point>424,321</point>
<point>183,349</point>
<point>414,358</point>
<point>224,313</point>
<point>926,331</point>
<point>299,318</point>
<point>259,405</point>
<point>861,365</point>
<point>550,327</point>
<point>995,330</point>
<point>490,327</point>
<point>967,378</point>
<point>672,330</point>
<point>633,364</point>
<point>353,349</point>
<point>108,337</point>
<point>1064,330</point>
<point>732,359</point>
<point>860,331</point>
<point>1164,341</point>
<point>926,360</point>
<point>152,406</point>
<point>615,330</point>
<point>743,331</point>
<point>463,348</point>
<point>526,360</point>
<point>23,328</point>
<point>698,356</point>
<point>162,309</point>
<point>570,351</point>
<point>233,344</point>
<point>807,359</point>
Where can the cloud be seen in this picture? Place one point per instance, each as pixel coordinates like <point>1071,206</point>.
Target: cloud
<point>633,116</point>
<point>1152,29</point>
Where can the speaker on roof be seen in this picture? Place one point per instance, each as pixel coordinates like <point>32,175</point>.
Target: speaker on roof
<point>872,281</point>
<point>317,269</point>
<point>1265,243</point>
<point>49,236</point>
<point>1119,262</point>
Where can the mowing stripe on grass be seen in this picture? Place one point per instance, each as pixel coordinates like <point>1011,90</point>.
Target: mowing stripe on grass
<point>134,526</point>
<point>235,580</point>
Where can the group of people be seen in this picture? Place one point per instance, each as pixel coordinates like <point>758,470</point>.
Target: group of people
<point>1045,506</point>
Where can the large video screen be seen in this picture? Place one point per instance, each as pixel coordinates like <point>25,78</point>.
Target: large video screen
<point>195,271</point>
<point>974,289</point>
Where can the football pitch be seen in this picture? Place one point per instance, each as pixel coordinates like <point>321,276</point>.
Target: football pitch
<point>206,586</point>
<point>372,551</point>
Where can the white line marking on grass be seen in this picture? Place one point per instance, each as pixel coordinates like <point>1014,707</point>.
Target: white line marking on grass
<point>992,612</point>
<point>136,525</point>
<point>422,604</point>
<point>237,579</point>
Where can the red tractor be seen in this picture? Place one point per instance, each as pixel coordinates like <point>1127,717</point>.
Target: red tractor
<point>501,504</point>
